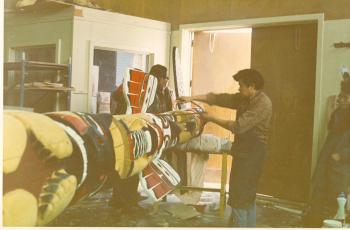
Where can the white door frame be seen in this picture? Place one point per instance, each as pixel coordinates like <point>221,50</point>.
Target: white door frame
<point>186,31</point>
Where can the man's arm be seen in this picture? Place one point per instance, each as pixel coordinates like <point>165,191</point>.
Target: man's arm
<point>202,98</point>
<point>226,100</point>
<point>257,111</point>
<point>227,124</point>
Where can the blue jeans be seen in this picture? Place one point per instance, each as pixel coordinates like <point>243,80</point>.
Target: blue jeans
<point>244,217</point>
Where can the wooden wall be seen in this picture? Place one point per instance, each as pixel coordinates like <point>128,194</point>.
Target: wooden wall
<point>162,10</point>
<point>193,11</point>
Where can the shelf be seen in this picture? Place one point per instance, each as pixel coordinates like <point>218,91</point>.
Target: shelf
<point>66,89</point>
<point>34,65</point>
<point>24,67</point>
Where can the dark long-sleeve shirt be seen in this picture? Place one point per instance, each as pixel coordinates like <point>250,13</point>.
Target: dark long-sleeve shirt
<point>254,113</point>
<point>163,101</point>
<point>343,148</point>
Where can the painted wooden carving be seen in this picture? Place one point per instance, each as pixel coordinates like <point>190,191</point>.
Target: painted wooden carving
<point>139,90</point>
<point>53,160</point>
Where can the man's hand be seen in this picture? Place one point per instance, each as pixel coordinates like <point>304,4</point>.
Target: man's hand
<point>227,124</point>
<point>206,117</point>
<point>336,156</point>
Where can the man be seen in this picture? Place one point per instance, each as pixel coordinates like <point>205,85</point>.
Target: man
<point>125,195</point>
<point>254,110</point>
<point>164,99</point>
<point>332,174</point>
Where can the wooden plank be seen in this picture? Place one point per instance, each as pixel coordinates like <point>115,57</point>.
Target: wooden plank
<point>34,65</point>
<point>200,189</point>
<point>223,184</point>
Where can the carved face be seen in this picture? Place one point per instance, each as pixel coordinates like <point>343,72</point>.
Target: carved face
<point>140,138</point>
<point>55,159</point>
<point>33,179</point>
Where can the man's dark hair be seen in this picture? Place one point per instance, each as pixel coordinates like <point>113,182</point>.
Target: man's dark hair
<point>159,71</point>
<point>250,77</point>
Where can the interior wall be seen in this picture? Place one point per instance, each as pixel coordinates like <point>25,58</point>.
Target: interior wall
<point>221,10</point>
<point>162,10</point>
<point>194,11</point>
<point>333,59</point>
<point>40,28</point>
<point>53,28</point>
<point>95,28</point>
<point>212,72</point>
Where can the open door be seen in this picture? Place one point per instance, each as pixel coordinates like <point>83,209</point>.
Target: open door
<point>286,57</point>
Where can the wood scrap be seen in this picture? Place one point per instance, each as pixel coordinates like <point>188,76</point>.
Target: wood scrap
<point>180,210</point>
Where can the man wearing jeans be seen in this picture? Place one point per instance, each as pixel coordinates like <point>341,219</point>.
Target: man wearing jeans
<point>254,110</point>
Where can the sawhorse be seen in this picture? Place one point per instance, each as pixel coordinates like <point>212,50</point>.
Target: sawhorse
<point>222,188</point>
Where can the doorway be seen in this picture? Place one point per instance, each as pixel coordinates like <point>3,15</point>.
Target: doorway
<point>217,54</point>
<point>287,55</point>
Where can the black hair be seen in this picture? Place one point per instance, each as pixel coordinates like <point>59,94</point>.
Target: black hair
<point>159,71</point>
<point>250,77</point>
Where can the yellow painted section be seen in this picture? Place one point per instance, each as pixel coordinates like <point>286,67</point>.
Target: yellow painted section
<point>19,209</point>
<point>15,142</point>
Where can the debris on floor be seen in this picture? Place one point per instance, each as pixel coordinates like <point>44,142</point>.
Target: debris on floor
<point>180,210</point>
<point>95,212</point>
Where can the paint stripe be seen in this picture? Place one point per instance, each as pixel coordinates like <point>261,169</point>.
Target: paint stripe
<point>80,142</point>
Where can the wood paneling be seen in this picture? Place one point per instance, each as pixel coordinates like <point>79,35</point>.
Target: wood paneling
<point>219,10</point>
<point>194,11</point>
<point>286,57</point>
<point>162,10</point>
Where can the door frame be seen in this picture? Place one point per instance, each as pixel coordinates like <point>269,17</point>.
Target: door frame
<point>186,35</point>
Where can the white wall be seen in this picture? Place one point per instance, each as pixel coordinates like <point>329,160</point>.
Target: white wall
<point>333,58</point>
<point>32,29</point>
<point>114,31</point>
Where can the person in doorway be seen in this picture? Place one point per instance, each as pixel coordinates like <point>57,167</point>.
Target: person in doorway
<point>332,173</point>
<point>125,195</point>
<point>254,111</point>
